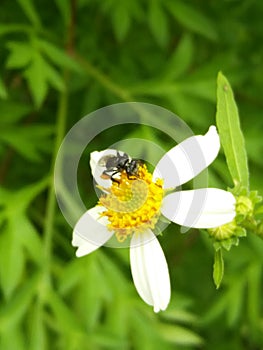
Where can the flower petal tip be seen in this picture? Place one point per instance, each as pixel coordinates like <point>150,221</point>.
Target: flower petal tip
<point>213,129</point>
<point>213,136</point>
<point>150,271</point>
<point>80,253</point>
<point>158,308</point>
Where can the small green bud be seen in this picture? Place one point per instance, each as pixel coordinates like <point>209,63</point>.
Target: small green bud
<point>244,206</point>
<point>227,235</point>
<point>223,232</point>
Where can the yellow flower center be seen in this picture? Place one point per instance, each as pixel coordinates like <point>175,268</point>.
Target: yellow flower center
<point>133,203</point>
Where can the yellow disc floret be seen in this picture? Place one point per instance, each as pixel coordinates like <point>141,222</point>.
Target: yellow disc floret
<point>132,203</point>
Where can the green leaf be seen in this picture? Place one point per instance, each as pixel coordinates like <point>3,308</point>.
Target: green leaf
<point>181,59</point>
<point>179,315</point>
<point>22,197</point>
<point>36,78</point>
<point>91,299</point>
<point>254,293</point>
<point>38,337</point>
<point>179,335</point>
<point>12,312</point>
<point>29,237</point>
<point>192,19</point>
<point>54,78</point>
<point>39,74</point>
<point>108,340</point>
<point>30,11</point>
<point>64,9</point>
<point>65,317</point>
<point>13,111</point>
<point>218,268</point>
<point>20,54</point>
<point>121,21</point>
<point>30,142</point>
<point>227,120</point>
<point>11,261</point>
<point>158,23</point>
<point>3,92</point>
<point>202,88</point>
<point>58,56</point>
<point>13,339</point>
<point>235,299</point>
<point>70,277</point>
<point>11,28</point>
<point>184,105</point>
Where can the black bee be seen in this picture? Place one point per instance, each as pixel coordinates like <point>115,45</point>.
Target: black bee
<point>116,164</point>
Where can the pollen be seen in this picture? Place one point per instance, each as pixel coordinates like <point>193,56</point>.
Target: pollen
<point>133,203</point>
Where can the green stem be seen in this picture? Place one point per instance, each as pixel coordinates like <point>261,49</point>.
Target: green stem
<point>105,81</point>
<point>51,201</point>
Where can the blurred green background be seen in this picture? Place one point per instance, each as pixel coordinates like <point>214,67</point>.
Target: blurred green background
<point>61,60</point>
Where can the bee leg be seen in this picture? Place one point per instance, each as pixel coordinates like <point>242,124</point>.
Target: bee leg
<point>113,179</point>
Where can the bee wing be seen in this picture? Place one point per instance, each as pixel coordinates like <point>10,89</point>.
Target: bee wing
<point>103,160</point>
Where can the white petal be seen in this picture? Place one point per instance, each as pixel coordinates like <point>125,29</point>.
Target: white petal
<point>96,169</point>
<point>202,208</point>
<point>90,231</point>
<point>149,270</point>
<point>186,160</point>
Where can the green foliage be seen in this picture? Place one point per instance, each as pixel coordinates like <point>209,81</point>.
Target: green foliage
<point>192,19</point>
<point>218,268</point>
<point>30,12</point>
<point>157,15</point>
<point>232,139</point>
<point>61,60</point>
<point>3,93</point>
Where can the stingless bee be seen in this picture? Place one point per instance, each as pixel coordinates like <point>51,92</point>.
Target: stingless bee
<point>116,164</point>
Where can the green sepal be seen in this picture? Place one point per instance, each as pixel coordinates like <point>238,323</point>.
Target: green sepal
<point>247,209</point>
<point>232,241</point>
<point>218,267</point>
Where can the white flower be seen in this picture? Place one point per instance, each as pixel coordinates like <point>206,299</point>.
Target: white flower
<point>202,208</point>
